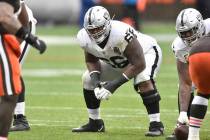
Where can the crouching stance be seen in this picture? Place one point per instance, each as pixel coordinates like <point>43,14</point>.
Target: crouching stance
<point>199,69</point>
<point>114,54</point>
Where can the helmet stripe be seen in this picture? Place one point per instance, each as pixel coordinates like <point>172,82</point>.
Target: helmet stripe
<point>89,18</point>
<point>182,16</point>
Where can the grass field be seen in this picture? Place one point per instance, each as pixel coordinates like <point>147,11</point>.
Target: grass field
<point>54,100</point>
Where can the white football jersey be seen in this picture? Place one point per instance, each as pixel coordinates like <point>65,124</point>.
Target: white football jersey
<point>181,50</point>
<point>120,35</point>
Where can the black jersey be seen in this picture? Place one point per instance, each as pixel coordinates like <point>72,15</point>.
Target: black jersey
<point>14,3</point>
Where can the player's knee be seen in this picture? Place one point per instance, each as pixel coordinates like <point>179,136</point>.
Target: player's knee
<point>145,86</point>
<point>86,80</point>
<point>150,97</point>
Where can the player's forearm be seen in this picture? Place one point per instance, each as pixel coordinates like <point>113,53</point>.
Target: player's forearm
<point>95,77</point>
<point>133,70</point>
<point>129,73</point>
<point>184,97</point>
<point>113,85</point>
<point>94,72</point>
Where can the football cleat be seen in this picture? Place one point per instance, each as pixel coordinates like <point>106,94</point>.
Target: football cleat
<point>91,126</point>
<point>20,124</point>
<point>155,129</point>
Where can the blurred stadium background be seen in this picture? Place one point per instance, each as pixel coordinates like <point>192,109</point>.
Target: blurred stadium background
<point>54,99</point>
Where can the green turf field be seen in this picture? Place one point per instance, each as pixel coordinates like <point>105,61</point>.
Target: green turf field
<point>54,100</point>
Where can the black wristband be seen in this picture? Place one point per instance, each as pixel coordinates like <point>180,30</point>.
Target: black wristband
<point>22,33</point>
<point>113,85</point>
<point>95,77</point>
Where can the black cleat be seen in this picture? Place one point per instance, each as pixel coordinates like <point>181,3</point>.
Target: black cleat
<point>171,137</point>
<point>155,129</point>
<point>91,126</point>
<point>20,124</point>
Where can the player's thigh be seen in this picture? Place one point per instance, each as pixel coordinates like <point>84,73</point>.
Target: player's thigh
<point>9,67</point>
<point>153,60</point>
<point>199,69</point>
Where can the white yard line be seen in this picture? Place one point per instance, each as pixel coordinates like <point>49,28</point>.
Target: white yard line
<point>60,72</point>
<point>51,72</point>
<point>139,111</point>
<point>60,40</point>
<point>80,108</point>
<point>71,40</point>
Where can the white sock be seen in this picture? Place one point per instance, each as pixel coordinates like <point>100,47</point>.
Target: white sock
<point>154,117</point>
<point>94,113</point>
<point>193,133</point>
<point>20,108</point>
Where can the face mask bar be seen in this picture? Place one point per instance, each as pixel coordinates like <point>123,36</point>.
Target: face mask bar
<point>96,32</point>
<point>190,35</point>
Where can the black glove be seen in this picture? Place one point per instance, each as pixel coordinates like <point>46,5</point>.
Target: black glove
<point>34,41</point>
<point>113,85</point>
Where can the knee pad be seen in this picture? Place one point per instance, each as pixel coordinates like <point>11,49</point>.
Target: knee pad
<point>86,80</point>
<point>150,97</point>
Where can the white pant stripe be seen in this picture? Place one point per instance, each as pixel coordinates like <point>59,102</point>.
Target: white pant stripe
<point>6,69</point>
